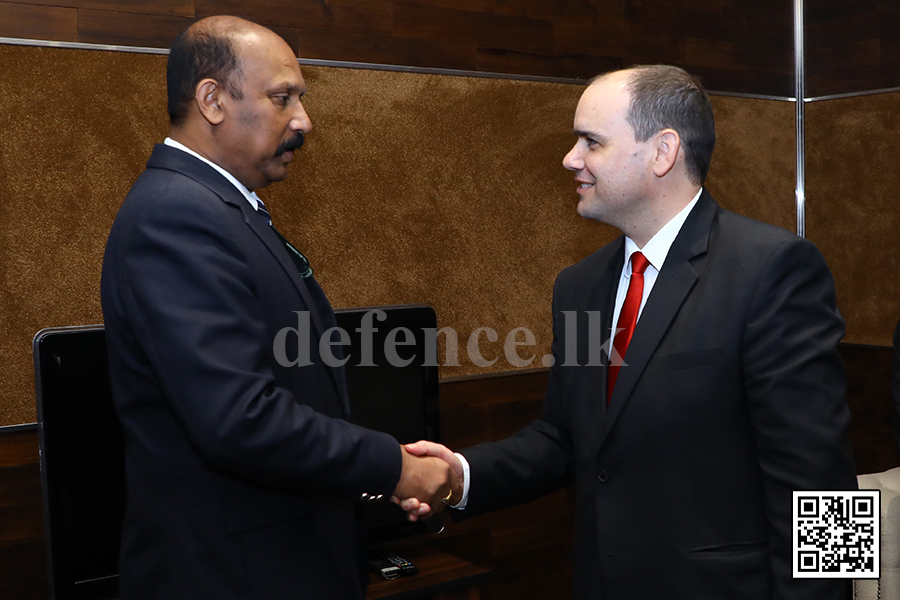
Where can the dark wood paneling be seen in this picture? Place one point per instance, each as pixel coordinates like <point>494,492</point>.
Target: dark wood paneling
<point>303,14</point>
<point>528,548</point>
<point>734,46</point>
<point>128,29</point>
<point>181,8</point>
<point>23,571</point>
<point>851,46</point>
<point>22,561</point>
<point>384,49</point>
<point>19,446</point>
<point>871,407</point>
<point>38,22</point>
<point>487,31</point>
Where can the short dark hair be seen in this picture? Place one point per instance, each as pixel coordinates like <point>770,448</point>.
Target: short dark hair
<point>667,97</point>
<point>195,56</point>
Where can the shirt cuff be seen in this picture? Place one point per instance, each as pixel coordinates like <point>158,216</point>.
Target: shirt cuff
<point>465,496</point>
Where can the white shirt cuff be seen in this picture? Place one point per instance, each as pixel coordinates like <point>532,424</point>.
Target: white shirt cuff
<point>465,496</point>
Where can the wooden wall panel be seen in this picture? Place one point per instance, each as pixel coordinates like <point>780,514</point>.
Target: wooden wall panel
<point>852,46</point>
<point>528,548</point>
<point>129,29</point>
<point>38,22</point>
<point>733,45</point>
<point>871,407</point>
<point>22,562</point>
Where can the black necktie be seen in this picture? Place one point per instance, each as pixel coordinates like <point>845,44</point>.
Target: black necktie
<point>299,259</point>
<point>263,211</point>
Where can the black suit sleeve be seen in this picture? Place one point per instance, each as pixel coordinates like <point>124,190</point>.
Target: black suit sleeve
<point>192,299</point>
<point>795,387</point>
<point>535,461</point>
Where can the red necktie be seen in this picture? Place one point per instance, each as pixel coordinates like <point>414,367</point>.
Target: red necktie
<point>627,317</point>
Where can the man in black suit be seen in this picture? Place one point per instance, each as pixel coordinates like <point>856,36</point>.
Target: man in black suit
<point>731,394</point>
<point>243,473</point>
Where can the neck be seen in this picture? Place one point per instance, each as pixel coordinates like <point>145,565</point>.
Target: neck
<point>663,209</point>
<point>187,137</point>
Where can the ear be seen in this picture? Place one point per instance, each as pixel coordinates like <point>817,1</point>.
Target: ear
<point>209,97</point>
<point>668,146</point>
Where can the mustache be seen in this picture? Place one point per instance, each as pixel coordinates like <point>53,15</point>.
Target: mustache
<point>295,143</point>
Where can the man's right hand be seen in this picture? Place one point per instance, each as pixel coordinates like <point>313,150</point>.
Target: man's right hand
<point>415,506</point>
<point>426,481</point>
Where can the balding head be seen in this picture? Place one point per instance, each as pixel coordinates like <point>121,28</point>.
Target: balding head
<point>667,97</point>
<point>208,49</point>
<point>234,98</point>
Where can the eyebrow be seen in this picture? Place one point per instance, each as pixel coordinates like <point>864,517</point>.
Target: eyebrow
<point>591,134</point>
<point>287,87</point>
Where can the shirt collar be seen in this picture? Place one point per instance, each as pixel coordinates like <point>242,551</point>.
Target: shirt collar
<point>656,250</point>
<point>251,197</point>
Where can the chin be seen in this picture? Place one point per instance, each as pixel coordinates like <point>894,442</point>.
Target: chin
<point>277,176</point>
<point>590,210</point>
<point>584,209</point>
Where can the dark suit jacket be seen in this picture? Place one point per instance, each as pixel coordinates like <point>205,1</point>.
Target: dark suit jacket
<point>732,397</point>
<point>242,473</point>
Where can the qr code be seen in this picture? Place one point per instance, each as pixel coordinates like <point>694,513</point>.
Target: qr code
<point>836,534</point>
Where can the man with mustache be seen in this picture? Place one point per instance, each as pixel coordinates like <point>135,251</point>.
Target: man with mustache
<point>243,474</point>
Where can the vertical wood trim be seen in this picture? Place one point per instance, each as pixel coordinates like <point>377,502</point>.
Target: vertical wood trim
<point>800,96</point>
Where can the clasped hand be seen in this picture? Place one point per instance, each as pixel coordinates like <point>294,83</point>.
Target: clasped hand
<point>432,477</point>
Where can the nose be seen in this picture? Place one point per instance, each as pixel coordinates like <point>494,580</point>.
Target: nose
<point>301,121</point>
<point>574,161</point>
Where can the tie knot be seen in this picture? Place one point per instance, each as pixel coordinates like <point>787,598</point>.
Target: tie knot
<point>639,263</point>
<point>262,210</point>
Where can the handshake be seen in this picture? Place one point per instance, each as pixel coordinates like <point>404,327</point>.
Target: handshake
<point>431,478</point>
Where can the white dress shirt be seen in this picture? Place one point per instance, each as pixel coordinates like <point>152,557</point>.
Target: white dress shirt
<point>251,197</point>
<point>655,251</point>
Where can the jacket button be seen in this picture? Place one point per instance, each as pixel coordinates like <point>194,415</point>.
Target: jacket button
<point>603,476</point>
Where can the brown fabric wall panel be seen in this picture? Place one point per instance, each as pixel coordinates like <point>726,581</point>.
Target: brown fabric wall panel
<point>78,127</point>
<point>852,210</point>
<point>753,166</point>
<point>444,190</point>
<point>412,188</point>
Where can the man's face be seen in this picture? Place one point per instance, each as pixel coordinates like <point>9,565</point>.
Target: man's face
<point>260,131</point>
<point>612,170</point>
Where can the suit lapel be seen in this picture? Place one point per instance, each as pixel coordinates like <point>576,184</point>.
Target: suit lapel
<point>603,297</point>
<point>268,237</point>
<point>166,157</point>
<point>672,287</point>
